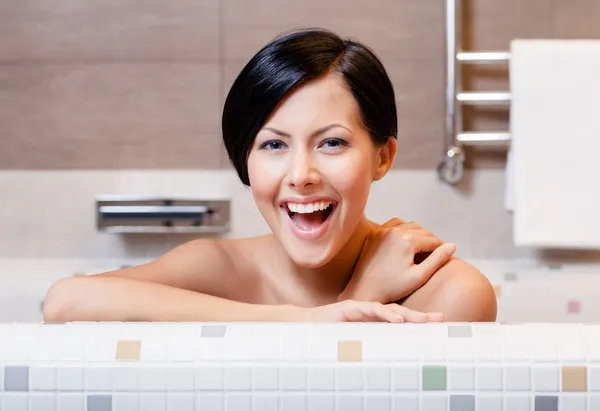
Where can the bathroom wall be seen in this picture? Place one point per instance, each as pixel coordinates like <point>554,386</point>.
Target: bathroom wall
<point>124,97</point>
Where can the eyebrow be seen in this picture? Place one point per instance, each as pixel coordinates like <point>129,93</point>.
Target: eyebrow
<point>313,134</point>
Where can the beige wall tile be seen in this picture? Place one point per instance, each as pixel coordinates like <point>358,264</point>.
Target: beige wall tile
<point>492,24</point>
<point>109,29</point>
<point>117,115</point>
<point>395,29</point>
<point>577,18</point>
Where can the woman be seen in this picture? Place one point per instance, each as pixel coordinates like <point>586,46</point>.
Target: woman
<point>309,124</point>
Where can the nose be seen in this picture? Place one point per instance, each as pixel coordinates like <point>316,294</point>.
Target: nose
<point>302,172</point>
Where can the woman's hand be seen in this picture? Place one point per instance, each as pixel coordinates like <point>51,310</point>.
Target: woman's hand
<point>386,270</point>
<point>363,311</point>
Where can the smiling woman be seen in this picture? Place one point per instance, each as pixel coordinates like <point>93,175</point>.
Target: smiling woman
<point>309,124</point>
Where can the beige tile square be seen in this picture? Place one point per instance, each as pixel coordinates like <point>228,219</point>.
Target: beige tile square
<point>498,290</point>
<point>128,350</point>
<point>574,378</point>
<point>110,30</point>
<point>350,350</point>
<point>393,29</point>
<point>113,115</point>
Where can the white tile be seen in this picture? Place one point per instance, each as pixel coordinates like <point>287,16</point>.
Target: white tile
<point>488,351</point>
<point>101,350</point>
<point>295,347</point>
<point>237,378</point>
<point>293,402</point>
<point>73,402</point>
<point>349,378</point>
<point>594,402</point>
<point>153,402</point>
<point>98,378</point>
<point>545,352</point>
<point>70,378</point>
<point>350,402</point>
<point>42,402</point>
<point>265,402</point>
<point>488,402</point>
<point>292,378</point>
<point>14,402</point>
<point>321,402</point>
<point>379,402</point>
<point>182,349</point>
<point>406,403</point>
<point>209,378</point>
<point>266,378</point>
<point>517,378</point>
<point>180,378</point>
<point>572,351</point>
<point>431,402</point>
<point>210,349</point>
<point>266,349</point>
<point>378,378</point>
<point>546,378</point>
<point>461,377</point>
<point>407,351</point>
<point>376,349</point>
<point>321,378</point>
<point>17,350</point>
<point>569,403</point>
<point>125,378</point>
<point>460,350</point>
<point>152,378</point>
<point>488,378</point>
<point>42,378</point>
<point>406,378</point>
<point>594,376</point>
<point>153,349</point>
<point>72,349</point>
<point>323,349</point>
<point>517,403</point>
<point>210,401</point>
<point>516,351</point>
<point>238,402</point>
<point>433,350</point>
<point>180,402</point>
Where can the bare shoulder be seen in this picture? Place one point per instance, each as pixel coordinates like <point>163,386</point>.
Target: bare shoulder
<point>460,291</point>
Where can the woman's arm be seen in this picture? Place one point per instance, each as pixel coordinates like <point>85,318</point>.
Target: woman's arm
<point>458,290</point>
<point>193,282</point>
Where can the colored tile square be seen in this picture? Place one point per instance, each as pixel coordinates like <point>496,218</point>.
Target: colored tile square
<point>16,378</point>
<point>213,331</point>
<point>498,290</point>
<point>574,378</point>
<point>349,350</point>
<point>433,378</point>
<point>462,403</point>
<point>545,403</point>
<point>460,331</point>
<point>128,350</point>
<point>99,402</point>
<point>509,277</point>
<point>574,307</point>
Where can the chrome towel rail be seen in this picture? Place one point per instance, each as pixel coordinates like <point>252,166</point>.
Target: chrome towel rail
<point>451,167</point>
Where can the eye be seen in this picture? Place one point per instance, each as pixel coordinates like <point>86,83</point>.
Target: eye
<point>272,145</point>
<point>334,143</point>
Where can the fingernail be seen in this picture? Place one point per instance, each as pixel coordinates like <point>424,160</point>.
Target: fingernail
<point>400,318</point>
<point>450,248</point>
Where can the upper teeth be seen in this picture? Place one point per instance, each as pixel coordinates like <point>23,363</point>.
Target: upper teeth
<point>308,208</point>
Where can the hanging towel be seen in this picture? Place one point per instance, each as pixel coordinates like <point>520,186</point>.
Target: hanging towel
<point>553,176</point>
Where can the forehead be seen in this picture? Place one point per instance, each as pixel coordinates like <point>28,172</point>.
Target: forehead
<point>323,100</point>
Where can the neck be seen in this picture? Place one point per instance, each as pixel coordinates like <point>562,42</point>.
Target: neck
<point>326,283</point>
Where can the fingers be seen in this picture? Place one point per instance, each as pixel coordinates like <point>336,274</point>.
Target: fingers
<point>361,311</point>
<point>436,259</point>
<point>416,316</point>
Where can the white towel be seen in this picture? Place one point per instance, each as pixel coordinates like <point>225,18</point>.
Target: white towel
<point>554,170</point>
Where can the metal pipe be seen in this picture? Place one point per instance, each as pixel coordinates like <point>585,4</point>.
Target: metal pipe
<point>484,57</point>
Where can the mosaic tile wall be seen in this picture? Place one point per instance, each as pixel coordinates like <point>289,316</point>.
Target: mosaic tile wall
<point>299,367</point>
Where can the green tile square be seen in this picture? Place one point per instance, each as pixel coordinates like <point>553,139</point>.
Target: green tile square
<point>433,377</point>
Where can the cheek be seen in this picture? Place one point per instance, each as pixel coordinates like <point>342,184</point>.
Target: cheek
<point>263,182</point>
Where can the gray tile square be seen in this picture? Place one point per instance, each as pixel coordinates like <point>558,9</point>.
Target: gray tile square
<point>460,331</point>
<point>509,277</point>
<point>462,403</point>
<point>546,403</point>
<point>16,378</point>
<point>99,402</point>
<point>213,331</point>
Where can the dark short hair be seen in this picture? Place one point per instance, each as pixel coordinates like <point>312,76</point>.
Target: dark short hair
<point>295,59</point>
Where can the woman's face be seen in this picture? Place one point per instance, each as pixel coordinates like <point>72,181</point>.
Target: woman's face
<point>311,168</point>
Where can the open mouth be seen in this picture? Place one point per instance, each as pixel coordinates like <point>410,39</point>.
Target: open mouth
<point>308,217</point>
